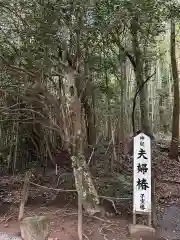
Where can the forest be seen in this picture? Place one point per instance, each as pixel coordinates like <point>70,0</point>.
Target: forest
<point>78,81</point>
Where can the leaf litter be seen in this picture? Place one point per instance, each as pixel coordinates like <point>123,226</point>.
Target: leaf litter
<point>167,191</point>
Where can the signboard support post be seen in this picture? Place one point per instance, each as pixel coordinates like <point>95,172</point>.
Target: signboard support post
<point>134,218</point>
<point>150,219</point>
<point>142,183</point>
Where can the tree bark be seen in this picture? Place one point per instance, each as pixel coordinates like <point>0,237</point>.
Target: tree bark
<point>145,124</point>
<point>175,120</point>
<point>87,101</point>
<point>109,120</point>
<point>121,128</point>
<point>90,199</point>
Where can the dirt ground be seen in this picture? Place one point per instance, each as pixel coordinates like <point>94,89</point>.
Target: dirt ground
<point>64,225</point>
<point>63,217</point>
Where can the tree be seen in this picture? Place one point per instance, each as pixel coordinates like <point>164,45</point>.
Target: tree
<point>176,105</point>
<point>139,74</point>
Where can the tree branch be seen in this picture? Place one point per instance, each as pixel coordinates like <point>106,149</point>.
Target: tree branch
<point>17,69</point>
<point>139,88</point>
<point>131,58</point>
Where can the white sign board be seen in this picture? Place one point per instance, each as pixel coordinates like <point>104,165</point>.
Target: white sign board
<point>142,174</point>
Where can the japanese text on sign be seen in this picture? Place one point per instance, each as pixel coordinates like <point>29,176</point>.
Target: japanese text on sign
<point>142,174</point>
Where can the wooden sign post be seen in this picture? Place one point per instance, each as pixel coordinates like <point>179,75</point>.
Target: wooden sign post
<point>142,179</point>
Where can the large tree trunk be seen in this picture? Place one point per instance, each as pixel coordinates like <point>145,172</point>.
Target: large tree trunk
<point>88,103</point>
<point>175,120</point>
<point>90,128</point>
<point>90,123</point>
<point>145,124</point>
<point>85,92</point>
<point>90,197</point>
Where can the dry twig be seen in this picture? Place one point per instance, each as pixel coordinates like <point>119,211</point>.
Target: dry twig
<point>101,219</point>
<point>107,228</point>
<point>85,236</point>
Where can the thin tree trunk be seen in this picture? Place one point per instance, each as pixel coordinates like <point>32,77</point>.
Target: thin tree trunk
<point>120,131</point>
<point>122,120</point>
<point>175,120</point>
<point>90,116</point>
<point>16,147</point>
<point>108,107</point>
<point>87,100</point>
